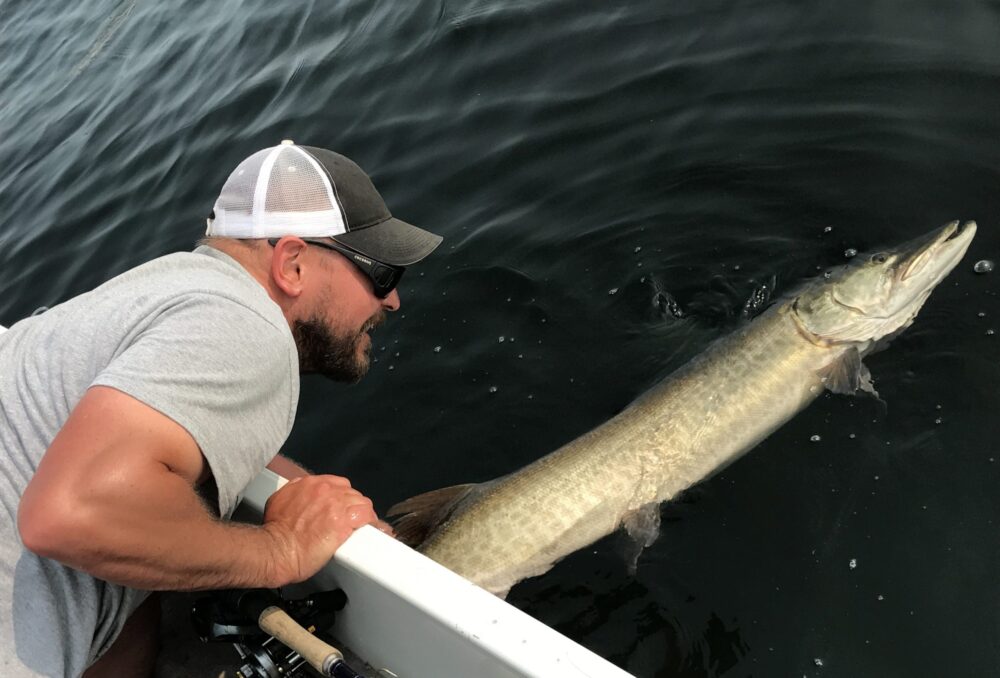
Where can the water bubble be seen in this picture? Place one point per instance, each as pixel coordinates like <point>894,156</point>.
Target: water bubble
<point>637,250</point>
<point>437,349</point>
<point>736,267</point>
<point>990,332</point>
<point>828,229</point>
<point>853,564</point>
<point>852,436</point>
<point>881,597</point>
<point>938,420</point>
<point>613,290</point>
<point>501,339</point>
<point>983,266</point>
<point>493,389</point>
<point>850,252</point>
<point>815,438</point>
<point>981,314</point>
<point>818,662</point>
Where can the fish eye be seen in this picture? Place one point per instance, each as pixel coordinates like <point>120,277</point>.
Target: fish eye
<point>879,258</point>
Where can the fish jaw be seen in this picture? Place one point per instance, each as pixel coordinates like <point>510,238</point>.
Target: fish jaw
<point>879,294</point>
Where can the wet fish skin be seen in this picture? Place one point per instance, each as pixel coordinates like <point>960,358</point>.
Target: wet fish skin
<point>697,420</point>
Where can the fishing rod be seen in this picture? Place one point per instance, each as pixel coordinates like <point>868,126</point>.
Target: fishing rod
<point>274,636</point>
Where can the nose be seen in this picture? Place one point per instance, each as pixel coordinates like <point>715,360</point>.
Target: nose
<point>391,301</point>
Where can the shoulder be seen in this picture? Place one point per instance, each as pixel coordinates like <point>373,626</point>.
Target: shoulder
<point>181,285</point>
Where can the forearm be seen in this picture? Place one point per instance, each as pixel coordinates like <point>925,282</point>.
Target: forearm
<point>162,537</point>
<point>284,466</point>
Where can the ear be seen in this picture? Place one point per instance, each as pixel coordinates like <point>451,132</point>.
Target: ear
<point>287,265</point>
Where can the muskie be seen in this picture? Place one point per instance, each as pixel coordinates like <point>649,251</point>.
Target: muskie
<point>700,418</point>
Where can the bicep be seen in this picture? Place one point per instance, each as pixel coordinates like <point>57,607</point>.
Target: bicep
<point>229,383</point>
<point>110,441</point>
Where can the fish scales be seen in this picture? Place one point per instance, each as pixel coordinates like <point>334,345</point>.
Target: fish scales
<point>694,422</point>
<point>697,420</point>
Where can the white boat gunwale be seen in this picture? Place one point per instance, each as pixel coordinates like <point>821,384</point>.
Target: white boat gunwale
<point>414,617</point>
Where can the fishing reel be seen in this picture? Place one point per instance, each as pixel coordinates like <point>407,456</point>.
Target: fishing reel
<point>274,636</point>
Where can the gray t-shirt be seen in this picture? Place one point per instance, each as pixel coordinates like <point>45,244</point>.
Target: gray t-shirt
<point>192,335</point>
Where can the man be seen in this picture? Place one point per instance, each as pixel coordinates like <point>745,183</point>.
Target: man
<point>133,415</point>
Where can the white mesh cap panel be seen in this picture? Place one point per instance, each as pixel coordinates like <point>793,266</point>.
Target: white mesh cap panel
<point>298,193</point>
<point>277,191</point>
<point>234,208</point>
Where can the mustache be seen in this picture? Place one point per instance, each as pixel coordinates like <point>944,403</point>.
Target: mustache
<point>374,322</point>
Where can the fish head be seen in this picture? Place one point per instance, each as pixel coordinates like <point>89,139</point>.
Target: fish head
<point>879,294</point>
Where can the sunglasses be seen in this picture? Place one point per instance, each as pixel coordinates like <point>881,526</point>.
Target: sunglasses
<point>384,277</point>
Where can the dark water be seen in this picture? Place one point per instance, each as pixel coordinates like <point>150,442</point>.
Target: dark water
<point>580,158</point>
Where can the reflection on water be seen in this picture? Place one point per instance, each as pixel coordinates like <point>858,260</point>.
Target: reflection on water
<point>614,183</point>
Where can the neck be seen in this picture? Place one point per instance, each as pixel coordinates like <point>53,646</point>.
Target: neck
<point>250,255</point>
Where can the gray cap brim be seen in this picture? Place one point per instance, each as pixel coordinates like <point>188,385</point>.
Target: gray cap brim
<point>392,242</point>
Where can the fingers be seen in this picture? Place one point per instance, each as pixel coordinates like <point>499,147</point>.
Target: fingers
<point>316,514</point>
<point>385,527</point>
<point>361,511</point>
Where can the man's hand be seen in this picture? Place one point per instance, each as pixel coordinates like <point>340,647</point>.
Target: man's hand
<point>310,518</point>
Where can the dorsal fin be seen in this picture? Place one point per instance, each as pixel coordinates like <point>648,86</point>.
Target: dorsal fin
<point>421,515</point>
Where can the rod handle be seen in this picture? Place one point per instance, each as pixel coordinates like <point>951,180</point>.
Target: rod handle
<point>321,656</point>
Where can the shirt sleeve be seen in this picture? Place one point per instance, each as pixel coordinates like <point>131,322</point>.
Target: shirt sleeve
<point>224,373</point>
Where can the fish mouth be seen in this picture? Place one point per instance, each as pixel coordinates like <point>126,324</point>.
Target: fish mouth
<point>937,252</point>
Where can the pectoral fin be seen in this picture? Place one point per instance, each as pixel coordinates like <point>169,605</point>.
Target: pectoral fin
<point>643,527</point>
<point>848,375</point>
<point>422,514</point>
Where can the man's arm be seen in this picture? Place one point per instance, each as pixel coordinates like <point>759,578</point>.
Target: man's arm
<point>114,496</point>
<point>284,466</point>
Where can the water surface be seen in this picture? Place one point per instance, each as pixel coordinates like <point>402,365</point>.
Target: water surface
<point>586,162</point>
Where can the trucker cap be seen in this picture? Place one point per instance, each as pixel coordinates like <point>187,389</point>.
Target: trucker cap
<point>314,193</point>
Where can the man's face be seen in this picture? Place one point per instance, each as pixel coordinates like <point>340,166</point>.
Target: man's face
<point>333,337</point>
<point>343,355</point>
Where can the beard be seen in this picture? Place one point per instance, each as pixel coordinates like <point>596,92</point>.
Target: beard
<point>334,355</point>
